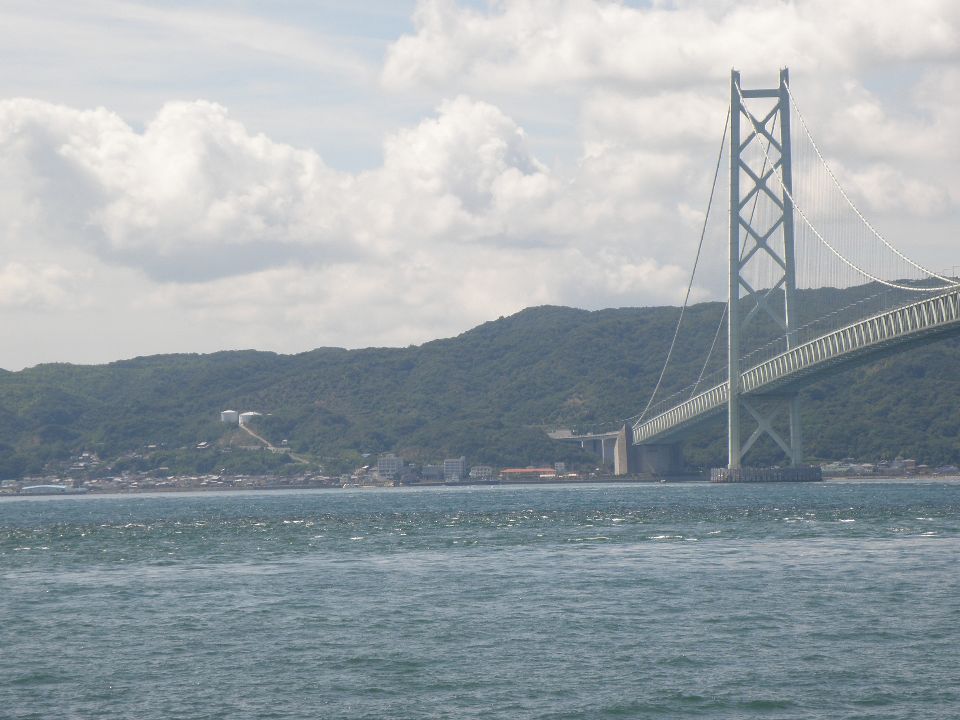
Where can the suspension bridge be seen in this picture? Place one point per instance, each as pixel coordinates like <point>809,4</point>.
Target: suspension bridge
<point>780,239</point>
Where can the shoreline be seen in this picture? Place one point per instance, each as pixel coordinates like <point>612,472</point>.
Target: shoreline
<point>687,480</point>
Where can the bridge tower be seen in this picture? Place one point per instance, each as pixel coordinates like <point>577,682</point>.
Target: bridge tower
<point>760,116</point>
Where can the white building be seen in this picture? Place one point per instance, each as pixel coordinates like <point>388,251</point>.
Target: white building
<point>389,465</point>
<point>454,469</point>
<point>230,417</point>
<point>481,472</point>
<point>246,417</point>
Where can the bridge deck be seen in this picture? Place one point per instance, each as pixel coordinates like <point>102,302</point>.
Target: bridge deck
<point>917,322</point>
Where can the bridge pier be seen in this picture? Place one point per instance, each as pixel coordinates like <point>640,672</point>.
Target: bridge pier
<point>796,433</point>
<point>622,464</point>
<point>600,446</point>
<point>603,445</point>
<point>655,460</point>
<point>764,410</point>
<point>608,451</point>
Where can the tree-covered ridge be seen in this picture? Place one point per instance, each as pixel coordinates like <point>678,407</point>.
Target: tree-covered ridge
<point>487,394</point>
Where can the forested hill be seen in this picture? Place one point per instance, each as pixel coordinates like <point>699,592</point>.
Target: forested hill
<point>487,394</point>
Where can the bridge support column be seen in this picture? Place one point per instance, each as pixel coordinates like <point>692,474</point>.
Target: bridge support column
<point>764,413</point>
<point>734,446</point>
<point>796,434</point>
<point>764,180</point>
<point>608,454</point>
<point>655,460</point>
<point>624,456</point>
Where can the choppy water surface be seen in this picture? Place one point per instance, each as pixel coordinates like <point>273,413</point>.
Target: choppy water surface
<point>617,601</point>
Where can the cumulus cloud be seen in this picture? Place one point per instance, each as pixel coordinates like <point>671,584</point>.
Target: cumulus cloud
<point>537,151</point>
<point>658,74</point>
<point>461,222</point>
<point>569,43</point>
<point>651,85</point>
<point>194,193</point>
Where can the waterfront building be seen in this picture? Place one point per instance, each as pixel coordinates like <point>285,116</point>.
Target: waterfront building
<point>454,469</point>
<point>432,473</point>
<point>481,472</point>
<point>389,466</point>
<point>530,474</point>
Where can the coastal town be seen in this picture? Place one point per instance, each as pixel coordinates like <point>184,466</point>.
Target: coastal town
<point>388,470</point>
<point>86,475</point>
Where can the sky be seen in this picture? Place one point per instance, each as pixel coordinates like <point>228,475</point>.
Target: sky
<point>213,175</point>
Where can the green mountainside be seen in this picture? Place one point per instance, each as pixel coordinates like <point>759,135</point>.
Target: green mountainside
<point>489,394</point>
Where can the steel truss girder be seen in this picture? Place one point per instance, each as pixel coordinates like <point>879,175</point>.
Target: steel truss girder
<point>906,325</point>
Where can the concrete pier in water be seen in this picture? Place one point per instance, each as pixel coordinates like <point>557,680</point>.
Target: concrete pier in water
<point>800,473</point>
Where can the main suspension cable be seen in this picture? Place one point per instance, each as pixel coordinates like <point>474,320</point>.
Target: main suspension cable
<point>822,239</point>
<point>863,219</point>
<point>696,261</point>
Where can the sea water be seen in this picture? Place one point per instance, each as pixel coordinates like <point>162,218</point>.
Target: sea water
<point>827,600</point>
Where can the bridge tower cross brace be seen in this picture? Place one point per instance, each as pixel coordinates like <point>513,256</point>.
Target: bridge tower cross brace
<point>747,185</point>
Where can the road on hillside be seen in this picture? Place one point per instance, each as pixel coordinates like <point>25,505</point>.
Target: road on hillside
<point>272,447</point>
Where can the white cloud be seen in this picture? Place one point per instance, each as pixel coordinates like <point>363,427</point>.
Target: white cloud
<point>460,223</point>
<point>44,288</point>
<point>885,189</point>
<point>534,151</point>
<point>565,44</point>
<point>193,194</point>
<point>671,119</point>
<point>249,34</point>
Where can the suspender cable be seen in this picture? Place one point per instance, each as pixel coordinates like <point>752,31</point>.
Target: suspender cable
<point>950,282</point>
<point>836,252</point>
<point>723,315</point>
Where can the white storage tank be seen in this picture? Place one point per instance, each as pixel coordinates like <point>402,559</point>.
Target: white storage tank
<point>246,417</point>
<point>230,417</point>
